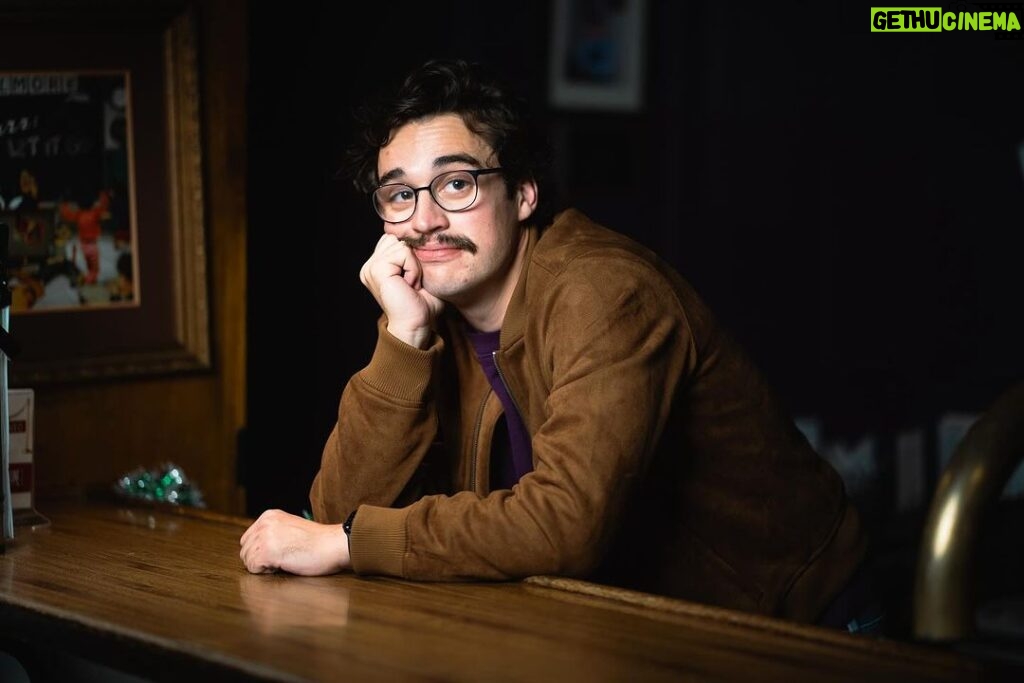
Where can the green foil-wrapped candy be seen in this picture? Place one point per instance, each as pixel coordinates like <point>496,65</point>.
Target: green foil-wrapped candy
<point>166,484</point>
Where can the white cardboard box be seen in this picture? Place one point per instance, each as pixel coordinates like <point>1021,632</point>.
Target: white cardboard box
<point>20,410</point>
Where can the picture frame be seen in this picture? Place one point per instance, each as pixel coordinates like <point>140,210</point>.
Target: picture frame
<point>67,189</point>
<point>164,327</point>
<point>598,51</point>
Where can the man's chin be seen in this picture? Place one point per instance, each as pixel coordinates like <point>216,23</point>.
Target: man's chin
<point>445,291</point>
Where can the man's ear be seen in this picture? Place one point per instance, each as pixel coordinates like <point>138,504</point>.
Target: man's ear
<point>526,199</point>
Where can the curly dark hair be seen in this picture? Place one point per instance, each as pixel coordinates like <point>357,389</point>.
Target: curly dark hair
<point>488,108</point>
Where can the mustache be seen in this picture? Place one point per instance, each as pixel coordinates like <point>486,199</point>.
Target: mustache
<point>454,241</point>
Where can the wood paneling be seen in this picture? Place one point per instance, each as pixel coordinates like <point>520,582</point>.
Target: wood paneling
<point>88,434</point>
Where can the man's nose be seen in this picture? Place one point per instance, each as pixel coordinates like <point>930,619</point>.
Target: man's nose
<point>428,216</point>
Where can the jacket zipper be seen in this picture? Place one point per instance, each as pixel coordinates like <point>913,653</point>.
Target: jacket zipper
<point>501,376</point>
<point>476,444</point>
<point>480,419</point>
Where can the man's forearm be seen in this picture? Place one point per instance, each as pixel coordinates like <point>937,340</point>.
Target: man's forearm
<point>386,424</point>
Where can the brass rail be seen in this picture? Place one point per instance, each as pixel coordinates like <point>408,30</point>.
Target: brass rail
<point>944,598</point>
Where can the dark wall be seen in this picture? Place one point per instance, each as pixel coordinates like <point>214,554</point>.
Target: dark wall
<point>848,203</point>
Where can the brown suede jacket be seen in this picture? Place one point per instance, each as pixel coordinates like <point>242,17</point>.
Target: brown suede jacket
<point>662,460</point>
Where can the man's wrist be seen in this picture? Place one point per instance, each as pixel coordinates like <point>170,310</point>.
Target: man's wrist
<point>418,338</point>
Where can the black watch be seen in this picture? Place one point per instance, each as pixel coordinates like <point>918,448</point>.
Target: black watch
<point>347,526</point>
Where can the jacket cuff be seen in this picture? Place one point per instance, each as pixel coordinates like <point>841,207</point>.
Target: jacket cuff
<point>378,540</point>
<point>398,369</point>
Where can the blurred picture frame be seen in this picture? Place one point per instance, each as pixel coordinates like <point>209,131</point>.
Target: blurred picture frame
<point>160,324</point>
<point>598,52</point>
<point>67,190</point>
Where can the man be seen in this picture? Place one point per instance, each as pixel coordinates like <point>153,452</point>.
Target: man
<point>549,397</point>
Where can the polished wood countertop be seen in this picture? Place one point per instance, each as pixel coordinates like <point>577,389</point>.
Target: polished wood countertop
<point>161,591</point>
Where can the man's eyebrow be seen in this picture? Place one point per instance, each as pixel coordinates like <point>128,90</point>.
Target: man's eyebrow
<point>393,174</point>
<point>449,159</point>
<point>440,162</point>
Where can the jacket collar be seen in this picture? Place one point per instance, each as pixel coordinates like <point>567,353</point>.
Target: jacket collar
<point>567,226</point>
<point>515,315</point>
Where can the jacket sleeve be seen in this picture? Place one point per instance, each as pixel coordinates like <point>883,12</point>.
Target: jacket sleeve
<point>615,347</point>
<point>386,425</point>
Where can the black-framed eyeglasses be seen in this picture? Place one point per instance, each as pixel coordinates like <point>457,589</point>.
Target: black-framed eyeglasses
<point>452,191</point>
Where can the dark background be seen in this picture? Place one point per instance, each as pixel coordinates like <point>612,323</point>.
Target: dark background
<point>849,204</point>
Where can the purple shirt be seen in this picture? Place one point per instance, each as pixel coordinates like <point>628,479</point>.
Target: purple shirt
<point>514,458</point>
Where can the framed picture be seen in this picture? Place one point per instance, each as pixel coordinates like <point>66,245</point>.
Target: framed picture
<point>597,54</point>
<point>68,166</point>
<point>101,187</point>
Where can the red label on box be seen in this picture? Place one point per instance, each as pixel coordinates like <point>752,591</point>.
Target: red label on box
<point>21,477</point>
<point>19,426</point>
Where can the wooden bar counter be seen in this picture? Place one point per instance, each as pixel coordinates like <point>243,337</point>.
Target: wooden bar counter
<point>160,592</point>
